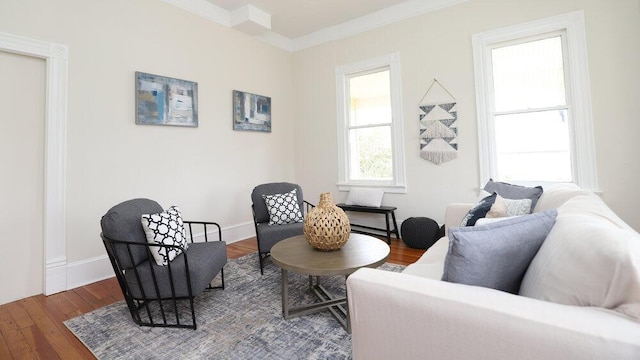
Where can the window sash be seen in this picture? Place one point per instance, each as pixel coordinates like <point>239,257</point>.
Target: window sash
<point>343,74</point>
<point>577,86</point>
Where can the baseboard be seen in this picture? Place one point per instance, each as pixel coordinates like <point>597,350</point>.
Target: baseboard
<point>87,271</point>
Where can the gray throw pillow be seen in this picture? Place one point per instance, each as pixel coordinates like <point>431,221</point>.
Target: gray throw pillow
<point>496,255</point>
<point>511,191</point>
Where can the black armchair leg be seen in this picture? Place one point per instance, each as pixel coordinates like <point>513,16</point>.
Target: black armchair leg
<point>261,263</point>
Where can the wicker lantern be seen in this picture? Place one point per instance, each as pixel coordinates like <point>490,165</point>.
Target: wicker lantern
<point>326,226</point>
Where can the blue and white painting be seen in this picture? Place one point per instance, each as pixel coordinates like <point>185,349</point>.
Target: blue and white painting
<point>251,112</point>
<point>163,100</point>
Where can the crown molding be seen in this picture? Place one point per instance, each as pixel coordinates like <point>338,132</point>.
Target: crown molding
<point>204,9</point>
<point>399,12</point>
<point>390,15</point>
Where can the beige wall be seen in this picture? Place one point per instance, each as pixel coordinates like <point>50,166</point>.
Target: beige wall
<point>438,45</point>
<point>208,171</point>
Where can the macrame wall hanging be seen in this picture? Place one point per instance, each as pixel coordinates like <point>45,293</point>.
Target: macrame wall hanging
<point>438,125</point>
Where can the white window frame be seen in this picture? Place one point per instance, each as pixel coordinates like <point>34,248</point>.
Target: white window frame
<point>583,159</point>
<point>391,62</point>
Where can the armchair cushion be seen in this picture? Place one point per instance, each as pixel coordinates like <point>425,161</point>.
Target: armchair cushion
<point>283,208</point>
<point>259,206</point>
<point>205,261</point>
<point>165,228</point>
<point>496,255</point>
<point>270,235</point>
<point>122,222</point>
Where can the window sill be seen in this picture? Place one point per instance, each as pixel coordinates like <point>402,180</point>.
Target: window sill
<point>393,189</point>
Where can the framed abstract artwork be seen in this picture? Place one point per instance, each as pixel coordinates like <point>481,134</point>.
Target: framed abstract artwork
<point>162,100</point>
<point>251,112</point>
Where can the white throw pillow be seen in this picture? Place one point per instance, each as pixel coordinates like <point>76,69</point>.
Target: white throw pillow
<point>365,197</point>
<point>283,208</point>
<point>165,228</point>
<point>485,221</point>
<point>590,258</point>
<point>509,207</point>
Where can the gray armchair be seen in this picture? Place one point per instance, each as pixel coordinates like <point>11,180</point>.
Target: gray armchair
<point>268,235</point>
<point>159,295</point>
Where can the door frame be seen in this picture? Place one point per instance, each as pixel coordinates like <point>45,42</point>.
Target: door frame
<point>55,154</point>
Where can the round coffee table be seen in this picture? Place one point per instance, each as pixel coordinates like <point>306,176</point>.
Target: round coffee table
<point>295,254</point>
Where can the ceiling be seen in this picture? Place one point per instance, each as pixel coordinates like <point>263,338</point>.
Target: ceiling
<point>293,25</point>
<point>295,18</point>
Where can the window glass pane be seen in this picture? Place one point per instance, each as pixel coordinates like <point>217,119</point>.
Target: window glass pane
<point>529,75</point>
<point>370,150</point>
<point>533,147</point>
<point>370,99</point>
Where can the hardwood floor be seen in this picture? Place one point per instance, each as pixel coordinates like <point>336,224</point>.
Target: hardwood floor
<point>32,328</point>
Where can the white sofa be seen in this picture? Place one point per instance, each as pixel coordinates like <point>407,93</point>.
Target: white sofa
<point>587,271</point>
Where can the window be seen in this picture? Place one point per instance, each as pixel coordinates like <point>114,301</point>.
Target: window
<point>370,140</point>
<point>533,103</point>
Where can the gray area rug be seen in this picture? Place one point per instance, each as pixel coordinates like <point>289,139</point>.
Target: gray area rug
<point>243,321</point>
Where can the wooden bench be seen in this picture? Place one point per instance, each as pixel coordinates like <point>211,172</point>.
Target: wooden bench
<point>362,229</point>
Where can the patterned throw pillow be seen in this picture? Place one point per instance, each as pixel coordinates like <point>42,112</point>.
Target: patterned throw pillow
<point>165,228</point>
<point>509,207</point>
<point>479,211</point>
<point>283,208</point>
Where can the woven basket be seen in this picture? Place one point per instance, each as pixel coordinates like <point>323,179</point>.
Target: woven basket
<point>326,226</point>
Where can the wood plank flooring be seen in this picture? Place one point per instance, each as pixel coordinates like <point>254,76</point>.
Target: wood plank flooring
<point>32,328</point>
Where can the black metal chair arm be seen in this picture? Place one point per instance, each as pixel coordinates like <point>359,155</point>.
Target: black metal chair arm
<point>147,245</point>
<point>308,205</point>
<point>204,224</point>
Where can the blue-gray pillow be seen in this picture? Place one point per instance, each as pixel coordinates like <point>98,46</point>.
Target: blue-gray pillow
<point>511,191</point>
<point>496,255</point>
<point>479,211</point>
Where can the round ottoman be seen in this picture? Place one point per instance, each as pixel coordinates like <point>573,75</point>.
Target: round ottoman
<point>419,232</point>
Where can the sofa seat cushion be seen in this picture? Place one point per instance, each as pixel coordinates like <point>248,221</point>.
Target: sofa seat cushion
<point>205,261</point>
<point>590,258</point>
<point>431,264</point>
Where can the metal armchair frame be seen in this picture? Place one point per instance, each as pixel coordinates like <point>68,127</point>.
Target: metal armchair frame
<point>145,307</point>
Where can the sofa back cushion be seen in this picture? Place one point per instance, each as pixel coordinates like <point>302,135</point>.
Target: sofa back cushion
<point>590,258</point>
<point>557,194</point>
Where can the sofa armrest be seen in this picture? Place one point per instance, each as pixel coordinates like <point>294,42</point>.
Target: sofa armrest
<point>454,214</point>
<point>399,316</point>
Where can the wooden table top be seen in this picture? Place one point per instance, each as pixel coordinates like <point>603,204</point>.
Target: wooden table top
<point>296,254</point>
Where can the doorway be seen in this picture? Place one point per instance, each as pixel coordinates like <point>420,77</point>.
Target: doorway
<point>22,100</point>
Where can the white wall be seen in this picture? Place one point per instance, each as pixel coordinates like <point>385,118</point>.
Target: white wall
<point>208,171</point>
<point>438,45</point>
